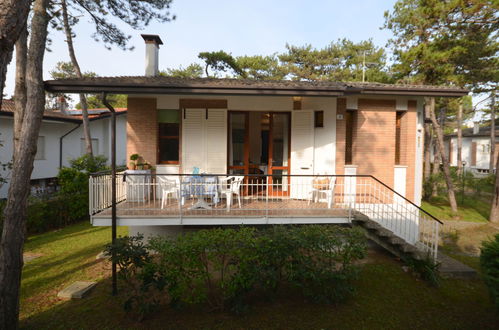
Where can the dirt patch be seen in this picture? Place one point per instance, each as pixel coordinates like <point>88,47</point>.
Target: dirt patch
<point>27,257</point>
<point>462,237</point>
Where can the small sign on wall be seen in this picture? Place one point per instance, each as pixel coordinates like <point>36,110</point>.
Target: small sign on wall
<point>339,117</point>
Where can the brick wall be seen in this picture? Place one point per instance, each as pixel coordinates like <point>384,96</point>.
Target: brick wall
<point>374,140</point>
<point>142,128</point>
<point>408,146</point>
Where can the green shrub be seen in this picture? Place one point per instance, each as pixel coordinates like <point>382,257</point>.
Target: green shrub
<point>222,267</point>
<point>489,262</point>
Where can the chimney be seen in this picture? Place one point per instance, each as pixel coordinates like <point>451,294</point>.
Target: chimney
<point>152,49</point>
<point>476,127</point>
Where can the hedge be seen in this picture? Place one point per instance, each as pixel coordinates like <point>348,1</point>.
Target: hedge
<point>223,267</point>
<point>489,262</point>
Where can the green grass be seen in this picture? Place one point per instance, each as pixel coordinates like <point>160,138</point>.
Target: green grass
<point>386,297</point>
<point>67,255</point>
<point>469,208</point>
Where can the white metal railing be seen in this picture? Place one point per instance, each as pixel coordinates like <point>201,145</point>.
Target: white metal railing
<point>100,192</point>
<point>313,196</point>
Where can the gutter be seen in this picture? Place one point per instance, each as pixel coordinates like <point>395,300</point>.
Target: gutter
<point>60,143</point>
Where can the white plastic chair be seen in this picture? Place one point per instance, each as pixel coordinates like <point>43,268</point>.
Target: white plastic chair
<point>230,186</point>
<point>315,193</point>
<point>168,187</point>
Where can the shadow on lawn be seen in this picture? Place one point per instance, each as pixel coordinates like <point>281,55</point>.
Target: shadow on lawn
<point>37,241</point>
<point>386,297</point>
<point>34,276</point>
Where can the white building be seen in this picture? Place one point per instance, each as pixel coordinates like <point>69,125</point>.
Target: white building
<point>475,152</point>
<point>60,140</point>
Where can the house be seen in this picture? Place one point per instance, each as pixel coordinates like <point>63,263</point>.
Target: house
<point>274,152</point>
<point>475,152</point>
<point>60,140</point>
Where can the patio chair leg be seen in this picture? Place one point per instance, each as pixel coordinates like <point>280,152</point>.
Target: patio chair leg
<point>228,197</point>
<point>239,200</point>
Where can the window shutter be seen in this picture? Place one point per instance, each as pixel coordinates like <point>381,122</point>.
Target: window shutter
<point>193,141</point>
<point>216,137</point>
<point>473,154</point>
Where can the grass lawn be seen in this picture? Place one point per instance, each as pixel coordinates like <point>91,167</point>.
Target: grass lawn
<point>470,208</point>
<point>386,297</point>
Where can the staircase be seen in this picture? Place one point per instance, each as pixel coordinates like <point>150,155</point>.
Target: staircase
<point>387,239</point>
<point>391,220</point>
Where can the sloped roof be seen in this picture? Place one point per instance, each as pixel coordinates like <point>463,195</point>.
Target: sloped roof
<point>171,85</point>
<point>8,108</point>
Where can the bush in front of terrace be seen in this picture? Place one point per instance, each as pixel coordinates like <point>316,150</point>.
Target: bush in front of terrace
<point>226,268</point>
<point>489,262</point>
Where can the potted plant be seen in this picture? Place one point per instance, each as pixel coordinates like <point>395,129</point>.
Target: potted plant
<point>133,163</point>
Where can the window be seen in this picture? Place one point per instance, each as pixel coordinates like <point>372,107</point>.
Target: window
<point>319,119</point>
<point>398,133</point>
<point>168,136</point>
<point>349,123</point>
<point>95,146</point>
<point>40,148</point>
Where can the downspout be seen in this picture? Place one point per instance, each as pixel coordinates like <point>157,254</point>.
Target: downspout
<point>113,188</point>
<point>60,142</point>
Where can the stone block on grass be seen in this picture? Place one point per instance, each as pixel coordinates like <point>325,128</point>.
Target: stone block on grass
<point>77,290</point>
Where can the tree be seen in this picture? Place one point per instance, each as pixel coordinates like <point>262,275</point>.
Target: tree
<point>261,67</point>
<point>444,42</point>
<point>220,62</point>
<point>13,17</point>
<point>13,233</point>
<point>76,66</point>
<point>342,60</point>
<point>29,116</point>
<point>191,71</point>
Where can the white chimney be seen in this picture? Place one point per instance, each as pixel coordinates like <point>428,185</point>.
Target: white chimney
<point>476,127</point>
<point>152,49</point>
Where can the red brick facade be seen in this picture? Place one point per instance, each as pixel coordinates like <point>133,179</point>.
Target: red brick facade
<point>374,140</point>
<point>142,128</point>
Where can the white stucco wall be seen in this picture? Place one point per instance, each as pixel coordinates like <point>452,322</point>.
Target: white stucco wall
<point>52,131</point>
<point>325,137</point>
<point>482,151</point>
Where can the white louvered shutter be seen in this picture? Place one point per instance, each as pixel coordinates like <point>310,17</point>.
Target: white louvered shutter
<point>193,140</point>
<point>216,138</point>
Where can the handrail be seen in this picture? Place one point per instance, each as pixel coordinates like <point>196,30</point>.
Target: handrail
<point>288,175</point>
<point>407,200</point>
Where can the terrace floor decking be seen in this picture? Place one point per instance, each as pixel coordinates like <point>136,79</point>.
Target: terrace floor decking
<point>282,210</point>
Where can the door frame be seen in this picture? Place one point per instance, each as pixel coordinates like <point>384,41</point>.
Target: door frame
<point>270,167</point>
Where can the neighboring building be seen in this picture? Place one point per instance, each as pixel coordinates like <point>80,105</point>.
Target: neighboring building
<point>475,152</point>
<point>60,140</point>
<point>297,152</point>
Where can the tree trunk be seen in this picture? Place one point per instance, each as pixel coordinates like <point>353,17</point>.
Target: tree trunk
<point>74,61</point>
<point>435,171</point>
<point>492,133</point>
<point>427,146</point>
<point>494,210</point>
<point>13,16</point>
<point>14,225</point>
<point>445,162</point>
<point>460,139</point>
<point>20,89</point>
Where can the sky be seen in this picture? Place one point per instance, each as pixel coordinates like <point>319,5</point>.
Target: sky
<point>256,27</point>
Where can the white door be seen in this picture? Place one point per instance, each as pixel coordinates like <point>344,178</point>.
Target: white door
<point>302,152</point>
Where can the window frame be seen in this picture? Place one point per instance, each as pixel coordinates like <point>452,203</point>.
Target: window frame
<point>169,137</point>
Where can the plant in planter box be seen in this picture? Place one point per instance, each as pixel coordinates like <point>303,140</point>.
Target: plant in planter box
<point>133,163</point>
